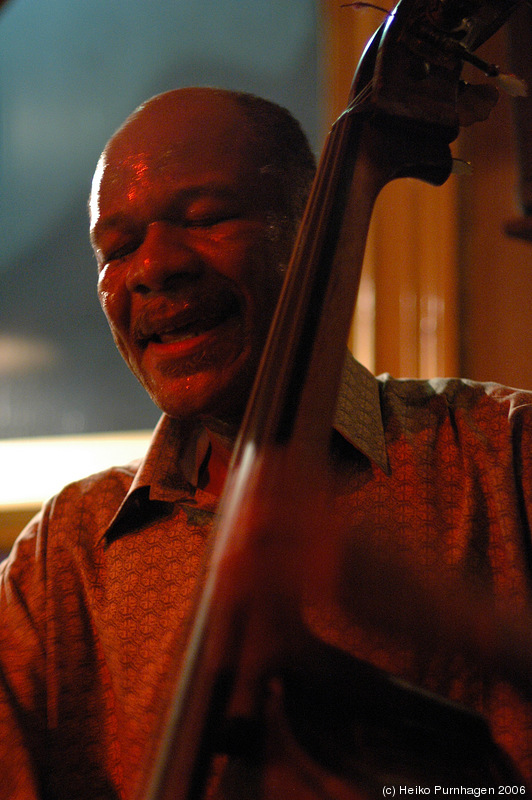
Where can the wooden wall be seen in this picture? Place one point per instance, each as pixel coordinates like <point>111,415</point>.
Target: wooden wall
<point>445,289</point>
<point>495,270</point>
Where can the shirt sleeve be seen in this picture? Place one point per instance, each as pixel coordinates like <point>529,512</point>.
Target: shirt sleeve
<point>23,666</point>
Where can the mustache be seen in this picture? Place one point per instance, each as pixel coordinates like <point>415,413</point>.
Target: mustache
<point>164,313</point>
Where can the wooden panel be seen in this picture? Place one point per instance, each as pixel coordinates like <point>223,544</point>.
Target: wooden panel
<point>495,269</point>
<point>406,319</point>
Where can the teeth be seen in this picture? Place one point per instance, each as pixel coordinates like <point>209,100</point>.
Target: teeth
<point>175,336</point>
<point>190,322</point>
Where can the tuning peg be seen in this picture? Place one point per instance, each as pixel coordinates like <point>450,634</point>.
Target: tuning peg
<point>511,84</point>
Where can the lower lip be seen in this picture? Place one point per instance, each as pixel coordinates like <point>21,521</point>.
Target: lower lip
<point>222,336</point>
<point>181,345</point>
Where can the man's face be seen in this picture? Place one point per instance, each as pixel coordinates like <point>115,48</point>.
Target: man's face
<point>188,264</point>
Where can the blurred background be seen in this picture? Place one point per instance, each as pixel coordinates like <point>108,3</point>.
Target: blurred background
<point>445,289</point>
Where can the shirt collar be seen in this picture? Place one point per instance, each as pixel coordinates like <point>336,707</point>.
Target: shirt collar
<point>358,416</point>
<point>173,462</point>
<point>170,469</point>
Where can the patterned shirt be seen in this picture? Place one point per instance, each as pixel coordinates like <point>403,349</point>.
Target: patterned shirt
<point>96,594</point>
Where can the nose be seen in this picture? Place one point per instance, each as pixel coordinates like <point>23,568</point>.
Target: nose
<point>163,260</point>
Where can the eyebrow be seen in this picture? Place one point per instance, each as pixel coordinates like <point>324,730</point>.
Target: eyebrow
<point>115,222</point>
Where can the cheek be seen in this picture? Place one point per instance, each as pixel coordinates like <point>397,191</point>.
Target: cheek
<point>254,265</point>
<point>114,300</point>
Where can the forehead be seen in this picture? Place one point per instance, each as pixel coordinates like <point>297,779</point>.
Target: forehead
<point>164,148</point>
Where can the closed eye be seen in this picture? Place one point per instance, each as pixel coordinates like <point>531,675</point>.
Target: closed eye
<point>209,209</point>
<point>113,251</point>
<point>113,238</point>
<point>122,251</point>
<point>210,220</point>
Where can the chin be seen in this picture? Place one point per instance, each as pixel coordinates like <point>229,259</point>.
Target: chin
<point>203,396</point>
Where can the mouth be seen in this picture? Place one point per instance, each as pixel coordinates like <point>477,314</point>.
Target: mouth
<point>191,320</point>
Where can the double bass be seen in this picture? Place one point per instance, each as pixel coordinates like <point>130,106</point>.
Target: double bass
<point>259,699</point>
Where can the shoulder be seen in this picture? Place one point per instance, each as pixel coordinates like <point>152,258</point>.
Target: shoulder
<point>78,515</point>
<point>454,395</point>
<point>114,481</point>
<point>87,506</point>
<point>479,417</point>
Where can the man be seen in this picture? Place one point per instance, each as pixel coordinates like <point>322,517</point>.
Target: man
<point>194,206</point>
